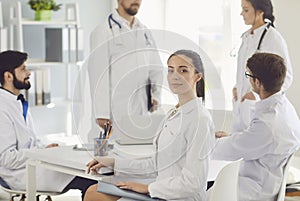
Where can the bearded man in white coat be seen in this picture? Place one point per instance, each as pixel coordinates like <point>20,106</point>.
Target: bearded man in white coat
<point>123,61</point>
<point>273,134</point>
<point>18,133</point>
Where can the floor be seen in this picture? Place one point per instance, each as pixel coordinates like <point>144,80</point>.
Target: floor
<point>72,195</point>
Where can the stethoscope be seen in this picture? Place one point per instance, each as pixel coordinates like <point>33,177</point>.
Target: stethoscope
<point>118,41</point>
<point>111,20</point>
<point>233,52</point>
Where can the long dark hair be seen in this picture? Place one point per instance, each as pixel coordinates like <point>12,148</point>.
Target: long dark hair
<point>265,6</point>
<point>197,63</point>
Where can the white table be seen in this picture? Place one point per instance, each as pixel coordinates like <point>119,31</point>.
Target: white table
<point>69,161</point>
<point>61,159</point>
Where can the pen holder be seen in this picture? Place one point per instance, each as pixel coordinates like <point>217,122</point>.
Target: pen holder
<point>100,147</point>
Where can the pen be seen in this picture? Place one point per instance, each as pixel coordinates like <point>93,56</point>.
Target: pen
<point>105,131</point>
<point>109,132</point>
<point>101,135</point>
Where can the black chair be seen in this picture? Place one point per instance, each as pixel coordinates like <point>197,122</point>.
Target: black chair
<point>22,194</point>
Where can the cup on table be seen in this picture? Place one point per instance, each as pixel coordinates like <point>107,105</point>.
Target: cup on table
<point>100,147</point>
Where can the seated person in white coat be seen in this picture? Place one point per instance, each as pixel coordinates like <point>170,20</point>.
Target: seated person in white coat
<point>18,134</point>
<point>272,136</point>
<point>182,145</point>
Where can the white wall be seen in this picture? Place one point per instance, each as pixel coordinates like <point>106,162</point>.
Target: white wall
<point>92,12</point>
<point>286,20</point>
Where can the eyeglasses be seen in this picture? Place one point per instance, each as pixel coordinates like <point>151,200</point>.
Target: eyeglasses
<point>247,74</point>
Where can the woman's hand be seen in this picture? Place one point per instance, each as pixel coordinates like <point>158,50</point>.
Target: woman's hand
<point>220,134</point>
<point>98,163</point>
<point>52,145</point>
<point>137,187</point>
<point>234,94</point>
<point>248,96</point>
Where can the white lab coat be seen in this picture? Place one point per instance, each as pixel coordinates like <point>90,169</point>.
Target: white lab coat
<point>180,159</point>
<point>273,42</point>
<point>273,135</point>
<point>16,137</point>
<point>132,58</point>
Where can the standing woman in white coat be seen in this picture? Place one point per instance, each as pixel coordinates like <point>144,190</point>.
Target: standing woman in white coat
<point>261,37</point>
<point>182,145</point>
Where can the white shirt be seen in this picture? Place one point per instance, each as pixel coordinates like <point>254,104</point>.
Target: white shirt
<point>272,42</point>
<point>132,58</point>
<point>180,159</point>
<point>16,137</point>
<point>273,135</point>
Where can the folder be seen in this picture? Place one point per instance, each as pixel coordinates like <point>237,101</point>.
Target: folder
<point>31,93</point>
<point>3,39</point>
<point>64,44</point>
<point>46,86</point>
<point>111,189</point>
<point>39,87</point>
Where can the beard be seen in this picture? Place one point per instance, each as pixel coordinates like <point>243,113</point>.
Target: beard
<point>21,85</point>
<point>131,11</point>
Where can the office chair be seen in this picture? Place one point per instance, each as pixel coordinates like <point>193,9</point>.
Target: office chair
<point>281,193</point>
<point>22,194</point>
<point>226,183</point>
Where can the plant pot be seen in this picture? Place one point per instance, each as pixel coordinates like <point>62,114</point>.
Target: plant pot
<point>43,15</point>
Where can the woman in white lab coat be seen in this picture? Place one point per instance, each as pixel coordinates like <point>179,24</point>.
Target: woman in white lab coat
<point>261,37</point>
<point>182,145</point>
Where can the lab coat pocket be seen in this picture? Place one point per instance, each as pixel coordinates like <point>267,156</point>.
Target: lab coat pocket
<point>117,50</point>
<point>177,143</point>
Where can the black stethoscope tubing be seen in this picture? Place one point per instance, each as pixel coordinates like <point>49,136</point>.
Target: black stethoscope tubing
<point>263,35</point>
<point>110,18</point>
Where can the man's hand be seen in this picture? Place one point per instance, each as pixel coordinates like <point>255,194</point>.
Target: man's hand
<point>101,122</point>
<point>52,145</point>
<point>137,187</point>
<point>98,163</point>
<point>248,96</point>
<point>220,134</point>
<point>234,94</point>
<point>154,105</point>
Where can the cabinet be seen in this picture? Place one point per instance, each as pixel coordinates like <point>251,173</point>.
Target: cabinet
<point>55,117</point>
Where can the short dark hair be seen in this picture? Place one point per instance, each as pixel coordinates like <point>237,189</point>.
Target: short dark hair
<point>269,69</point>
<point>198,64</point>
<point>9,60</point>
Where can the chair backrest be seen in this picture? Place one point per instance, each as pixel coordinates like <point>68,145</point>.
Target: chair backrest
<point>281,193</point>
<point>226,184</point>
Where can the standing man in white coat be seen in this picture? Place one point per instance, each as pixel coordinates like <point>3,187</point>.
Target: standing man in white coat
<point>273,134</point>
<point>123,61</point>
<point>18,133</point>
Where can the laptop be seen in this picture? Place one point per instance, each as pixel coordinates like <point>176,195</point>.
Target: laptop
<point>137,129</point>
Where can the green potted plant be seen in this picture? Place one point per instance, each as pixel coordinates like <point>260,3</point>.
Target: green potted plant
<point>43,8</point>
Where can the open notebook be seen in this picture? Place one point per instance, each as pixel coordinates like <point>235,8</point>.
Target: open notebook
<point>111,189</point>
